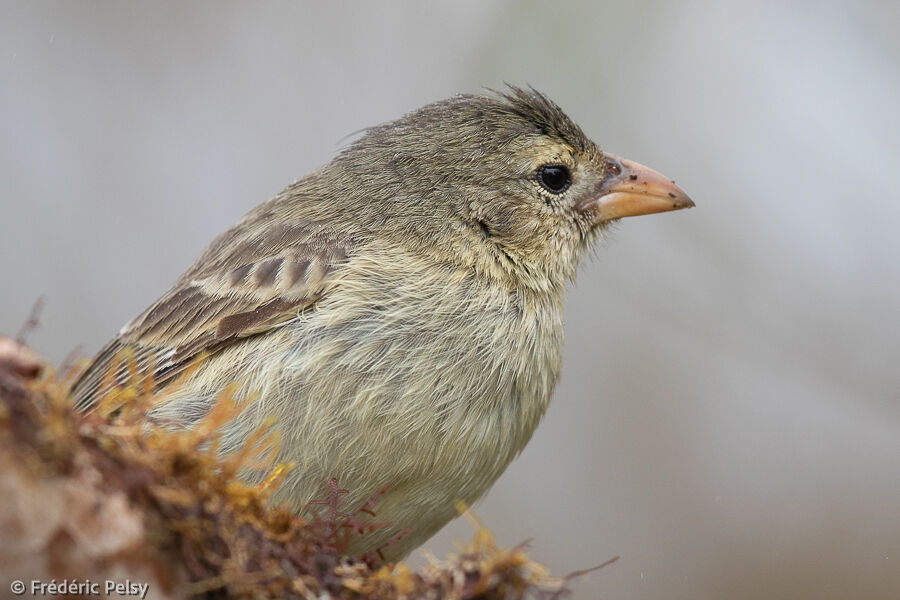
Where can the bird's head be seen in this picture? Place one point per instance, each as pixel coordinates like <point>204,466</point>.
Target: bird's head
<point>506,184</point>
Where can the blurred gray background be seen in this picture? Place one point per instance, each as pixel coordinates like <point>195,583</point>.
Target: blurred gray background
<point>728,418</point>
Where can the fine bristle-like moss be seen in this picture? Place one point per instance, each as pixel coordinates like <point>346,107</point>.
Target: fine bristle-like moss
<point>112,493</point>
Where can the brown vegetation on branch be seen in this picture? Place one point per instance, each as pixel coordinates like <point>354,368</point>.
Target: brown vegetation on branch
<point>112,495</point>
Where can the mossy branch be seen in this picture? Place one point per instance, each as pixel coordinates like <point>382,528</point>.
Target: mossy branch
<point>113,495</point>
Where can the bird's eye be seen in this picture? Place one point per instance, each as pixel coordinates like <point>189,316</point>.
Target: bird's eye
<point>554,178</point>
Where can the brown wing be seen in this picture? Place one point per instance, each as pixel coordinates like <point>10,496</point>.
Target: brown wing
<point>252,278</point>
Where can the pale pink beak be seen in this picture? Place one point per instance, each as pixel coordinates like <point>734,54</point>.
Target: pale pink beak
<point>632,189</point>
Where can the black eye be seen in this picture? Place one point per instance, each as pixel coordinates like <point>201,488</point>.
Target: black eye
<point>555,178</point>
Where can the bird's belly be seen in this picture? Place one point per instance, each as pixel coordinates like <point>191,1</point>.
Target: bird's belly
<point>436,426</point>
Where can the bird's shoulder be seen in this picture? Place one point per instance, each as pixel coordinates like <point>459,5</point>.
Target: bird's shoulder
<point>259,274</point>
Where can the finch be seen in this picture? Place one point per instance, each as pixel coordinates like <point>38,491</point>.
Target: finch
<point>397,312</point>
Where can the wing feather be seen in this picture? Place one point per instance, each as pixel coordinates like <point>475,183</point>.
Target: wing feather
<point>249,280</point>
